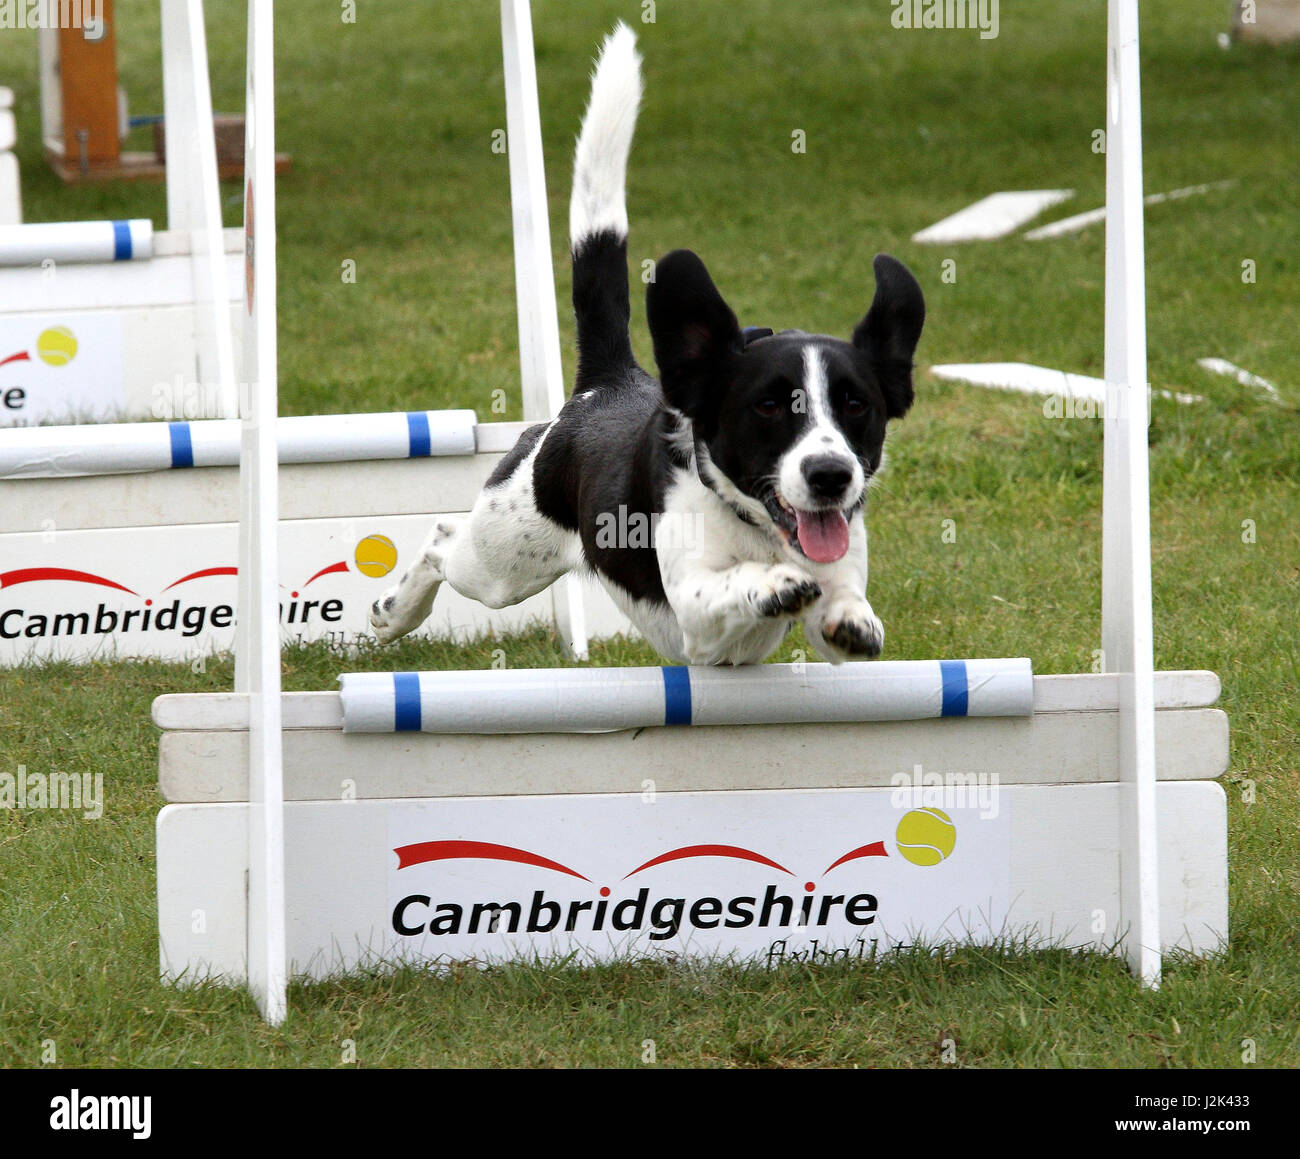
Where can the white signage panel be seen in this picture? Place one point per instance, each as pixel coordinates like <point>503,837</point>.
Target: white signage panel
<point>61,368</point>
<point>777,876</point>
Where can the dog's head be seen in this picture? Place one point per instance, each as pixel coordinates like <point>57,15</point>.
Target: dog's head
<point>788,428</point>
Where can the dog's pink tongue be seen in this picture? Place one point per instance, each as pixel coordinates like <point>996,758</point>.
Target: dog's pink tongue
<point>823,535</point>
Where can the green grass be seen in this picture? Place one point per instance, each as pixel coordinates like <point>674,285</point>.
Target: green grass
<point>389,123</point>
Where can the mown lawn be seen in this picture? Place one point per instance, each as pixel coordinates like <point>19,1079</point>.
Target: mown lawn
<point>389,122</point>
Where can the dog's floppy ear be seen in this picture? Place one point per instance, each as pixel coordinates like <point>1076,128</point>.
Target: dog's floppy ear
<point>695,334</point>
<point>889,333</point>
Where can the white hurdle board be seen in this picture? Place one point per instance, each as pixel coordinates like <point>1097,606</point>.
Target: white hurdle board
<point>382,830</point>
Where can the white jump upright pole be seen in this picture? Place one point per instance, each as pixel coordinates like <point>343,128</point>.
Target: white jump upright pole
<point>539,331</point>
<point>194,195</point>
<point>1126,619</point>
<point>257,642</point>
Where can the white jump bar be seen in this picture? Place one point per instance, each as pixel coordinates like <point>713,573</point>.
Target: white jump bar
<point>120,448</point>
<point>598,699</point>
<point>76,241</point>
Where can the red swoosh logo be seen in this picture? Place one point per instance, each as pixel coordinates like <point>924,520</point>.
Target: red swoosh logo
<point>25,575</point>
<point>340,566</point>
<point>207,571</point>
<point>21,356</point>
<point>875,849</point>
<point>708,851</point>
<point>423,851</point>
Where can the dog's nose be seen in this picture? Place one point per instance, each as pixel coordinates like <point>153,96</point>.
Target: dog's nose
<point>827,476</point>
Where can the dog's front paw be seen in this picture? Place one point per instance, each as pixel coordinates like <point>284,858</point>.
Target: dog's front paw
<point>854,633</point>
<point>406,605</point>
<point>784,591</point>
<point>402,608</point>
<point>383,622</point>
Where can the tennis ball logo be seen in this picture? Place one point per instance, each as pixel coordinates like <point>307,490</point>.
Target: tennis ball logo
<point>376,556</point>
<point>926,836</point>
<point>56,346</point>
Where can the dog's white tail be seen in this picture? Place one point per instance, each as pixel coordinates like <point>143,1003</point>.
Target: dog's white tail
<point>599,200</point>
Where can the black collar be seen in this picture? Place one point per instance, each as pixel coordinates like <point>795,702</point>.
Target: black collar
<point>740,513</point>
<point>747,335</point>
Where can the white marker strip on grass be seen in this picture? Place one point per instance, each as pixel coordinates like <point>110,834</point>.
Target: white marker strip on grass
<point>1030,379</point>
<point>604,699</point>
<point>992,217</point>
<point>1243,377</point>
<point>1081,221</point>
<point>1023,377</point>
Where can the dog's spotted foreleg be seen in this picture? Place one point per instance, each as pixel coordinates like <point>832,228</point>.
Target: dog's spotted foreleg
<point>841,625</point>
<point>739,614</point>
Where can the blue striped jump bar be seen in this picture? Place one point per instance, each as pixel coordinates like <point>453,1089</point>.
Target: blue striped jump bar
<point>122,251</point>
<point>406,702</point>
<point>182,445</point>
<point>417,426</point>
<point>408,717</point>
<point>419,446</point>
<point>955,696</point>
<point>408,714</point>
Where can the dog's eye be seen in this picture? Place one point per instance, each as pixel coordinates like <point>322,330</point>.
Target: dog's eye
<point>769,408</point>
<point>847,402</point>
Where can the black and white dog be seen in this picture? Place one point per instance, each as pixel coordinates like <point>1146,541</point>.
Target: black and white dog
<point>750,463</point>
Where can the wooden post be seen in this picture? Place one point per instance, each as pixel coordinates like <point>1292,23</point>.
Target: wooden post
<point>81,118</point>
<point>88,84</point>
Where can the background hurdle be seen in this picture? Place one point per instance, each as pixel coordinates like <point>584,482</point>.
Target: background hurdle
<point>151,335</point>
<point>176,330</point>
<point>147,529</point>
<point>1056,774</point>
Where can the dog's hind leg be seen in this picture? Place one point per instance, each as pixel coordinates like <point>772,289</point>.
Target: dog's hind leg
<point>497,561</point>
<point>504,551</point>
<point>507,550</point>
<point>406,605</point>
